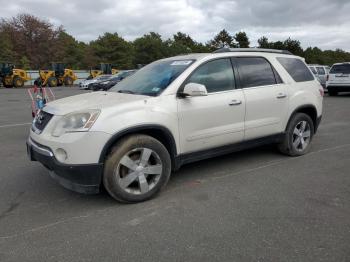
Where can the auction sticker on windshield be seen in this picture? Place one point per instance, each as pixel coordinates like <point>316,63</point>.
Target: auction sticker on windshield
<point>181,62</point>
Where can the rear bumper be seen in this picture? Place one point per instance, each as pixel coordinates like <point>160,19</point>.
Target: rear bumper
<point>84,178</point>
<point>339,88</point>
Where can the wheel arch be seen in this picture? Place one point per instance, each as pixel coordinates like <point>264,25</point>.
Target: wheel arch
<point>309,110</point>
<point>161,133</point>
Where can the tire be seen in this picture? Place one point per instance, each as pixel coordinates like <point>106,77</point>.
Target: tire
<point>292,143</point>
<point>52,81</point>
<point>332,93</point>
<point>59,82</point>
<point>68,81</point>
<point>139,186</point>
<point>18,82</point>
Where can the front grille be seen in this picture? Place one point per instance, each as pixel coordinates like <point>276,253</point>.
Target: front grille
<point>41,120</point>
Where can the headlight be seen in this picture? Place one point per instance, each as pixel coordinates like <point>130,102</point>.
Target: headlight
<point>76,122</point>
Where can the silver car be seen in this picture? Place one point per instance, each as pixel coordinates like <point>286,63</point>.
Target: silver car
<point>321,72</point>
<point>86,84</point>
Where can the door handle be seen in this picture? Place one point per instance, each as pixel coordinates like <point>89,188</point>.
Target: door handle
<point>281,95</point>
<point>235,103</point>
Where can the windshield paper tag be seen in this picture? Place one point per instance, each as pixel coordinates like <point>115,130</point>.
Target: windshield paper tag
<point>183,62</point>
<point>155,89</point>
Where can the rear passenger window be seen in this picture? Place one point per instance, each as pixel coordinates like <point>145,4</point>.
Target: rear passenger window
<point>296,69</point>
<point>256,71</point>
<point>216,75</point>
<point>321,71</point>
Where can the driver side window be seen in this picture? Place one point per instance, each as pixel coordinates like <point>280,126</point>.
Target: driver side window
<point>216,75</point>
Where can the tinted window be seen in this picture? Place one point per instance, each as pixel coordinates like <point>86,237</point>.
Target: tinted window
<point>296,69</point>
<point>216,75</point>
<point>320,70</point>
<point>340,69</point>
<point>313,70</point>
<point>255,71</point>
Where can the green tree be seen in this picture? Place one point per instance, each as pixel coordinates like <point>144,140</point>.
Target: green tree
<point>24,63</point>
<point>149,48</point>
<point>111,48</point>
<point>70,51</point>
<point>242,40</point>
<point>6,47</point>
<point>293,46</point>
<point>221,40</point>
<point>264,42</point>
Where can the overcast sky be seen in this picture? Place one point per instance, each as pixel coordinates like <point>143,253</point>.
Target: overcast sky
<point>322,23</point>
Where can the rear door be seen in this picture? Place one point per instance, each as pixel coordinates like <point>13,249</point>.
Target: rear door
<point>265,94</point>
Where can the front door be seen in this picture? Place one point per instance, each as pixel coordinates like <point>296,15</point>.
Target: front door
<point>216,119</point>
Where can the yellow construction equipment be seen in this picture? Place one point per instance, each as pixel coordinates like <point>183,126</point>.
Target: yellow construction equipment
<point>102,69</point>
<point>57,76</point>
<point>11,76</point>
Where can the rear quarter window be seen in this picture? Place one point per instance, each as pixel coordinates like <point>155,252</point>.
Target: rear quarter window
<point>296,68</point>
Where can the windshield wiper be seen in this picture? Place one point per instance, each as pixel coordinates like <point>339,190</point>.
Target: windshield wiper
<point>126,91</point>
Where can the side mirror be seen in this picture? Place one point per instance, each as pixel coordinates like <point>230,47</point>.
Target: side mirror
<point>194,89</point>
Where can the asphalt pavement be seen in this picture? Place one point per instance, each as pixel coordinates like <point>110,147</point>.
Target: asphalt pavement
<point>255,205</point>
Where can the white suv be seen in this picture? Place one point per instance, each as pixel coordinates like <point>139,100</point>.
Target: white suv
<point>175,111</point>
<point>338,79</point>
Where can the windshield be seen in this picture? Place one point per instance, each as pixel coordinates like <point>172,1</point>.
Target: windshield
<point>340,69</point>
<point>152,79</point>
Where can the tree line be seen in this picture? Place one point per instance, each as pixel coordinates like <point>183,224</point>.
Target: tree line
<point>32,43</point>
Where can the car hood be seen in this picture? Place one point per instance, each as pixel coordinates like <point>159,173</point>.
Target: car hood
<point>94,100</point>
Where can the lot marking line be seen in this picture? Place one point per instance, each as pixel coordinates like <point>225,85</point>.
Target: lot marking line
<point>14,125</point>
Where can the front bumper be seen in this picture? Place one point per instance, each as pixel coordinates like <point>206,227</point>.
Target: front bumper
<point>85,178</point>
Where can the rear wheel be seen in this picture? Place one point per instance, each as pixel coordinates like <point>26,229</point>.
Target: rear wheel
<point>298,136</point>
<point>68,81</point>
<point>18,81</point>
<point>137,168</point>
<point>52,82</point>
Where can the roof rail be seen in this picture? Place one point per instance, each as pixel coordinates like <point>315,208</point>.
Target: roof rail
<point>275,51</point>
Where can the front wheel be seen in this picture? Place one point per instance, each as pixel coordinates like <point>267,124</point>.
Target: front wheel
<point>137,168</point>
<point>298,136</point>
<point>18,81</point>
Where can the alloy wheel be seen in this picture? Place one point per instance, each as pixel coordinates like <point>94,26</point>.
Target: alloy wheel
<point>301,136</point>
<point>139,171</point>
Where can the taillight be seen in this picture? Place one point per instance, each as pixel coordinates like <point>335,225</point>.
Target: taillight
<point>321,91</point>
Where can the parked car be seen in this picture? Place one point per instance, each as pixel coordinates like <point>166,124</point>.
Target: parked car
<point>175,111</point>
<point>115,79</point>
<point>86,84</point>
<point>338,79</point>
<point>320,71</point>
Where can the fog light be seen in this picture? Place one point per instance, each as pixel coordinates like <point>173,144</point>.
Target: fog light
<point>61,154</point>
